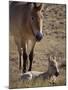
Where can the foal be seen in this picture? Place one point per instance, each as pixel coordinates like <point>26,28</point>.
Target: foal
<point>52,71</point>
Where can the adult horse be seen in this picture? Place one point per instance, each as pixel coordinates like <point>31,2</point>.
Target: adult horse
<point>26,27</point>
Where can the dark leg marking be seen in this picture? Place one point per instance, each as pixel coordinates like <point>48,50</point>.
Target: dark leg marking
<point>24,61</point>
<point>20,61</point>
<point>31,59</point>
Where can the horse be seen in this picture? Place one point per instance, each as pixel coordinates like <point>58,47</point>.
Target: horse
<point>26,21</point>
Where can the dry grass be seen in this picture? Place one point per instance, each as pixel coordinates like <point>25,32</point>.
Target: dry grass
<point>52,43</point>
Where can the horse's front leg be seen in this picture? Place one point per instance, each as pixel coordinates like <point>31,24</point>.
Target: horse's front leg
<point>24,60</point>
<point>19,60</point>
<point>31,55</point>
<point>30,59</point>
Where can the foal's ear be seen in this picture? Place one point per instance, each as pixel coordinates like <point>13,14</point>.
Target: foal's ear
<point>38,6</point>
<point>54,58</point>
<point>51,58</point>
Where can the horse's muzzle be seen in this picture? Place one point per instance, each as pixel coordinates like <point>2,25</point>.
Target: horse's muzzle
<point>56,74</point>
<point>39,36</point>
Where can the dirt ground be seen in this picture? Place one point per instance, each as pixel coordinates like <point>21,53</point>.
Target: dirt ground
<point>53,42</point>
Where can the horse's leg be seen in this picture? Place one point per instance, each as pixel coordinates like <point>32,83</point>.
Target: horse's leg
<point>19,60</point>
<point>18,43</point>
<point>19,57</point>
<point>24,60</point>
<point>31,56</point>
<point>31,59</point>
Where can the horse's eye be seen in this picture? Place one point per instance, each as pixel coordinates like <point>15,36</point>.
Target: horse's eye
<point>32,18</point>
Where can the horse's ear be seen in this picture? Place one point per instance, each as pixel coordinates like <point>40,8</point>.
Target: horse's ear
<point>38,7</point>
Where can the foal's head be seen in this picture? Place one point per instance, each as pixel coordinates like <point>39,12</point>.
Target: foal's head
<point>53,66</point>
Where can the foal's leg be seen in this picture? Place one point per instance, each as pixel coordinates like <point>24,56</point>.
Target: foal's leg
<point>31,59</point>
<point>24,60</point>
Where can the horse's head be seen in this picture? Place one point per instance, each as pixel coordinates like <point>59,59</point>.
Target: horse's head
<point>36,20</point>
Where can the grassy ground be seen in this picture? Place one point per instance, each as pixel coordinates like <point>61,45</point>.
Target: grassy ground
<point>52,43</point>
